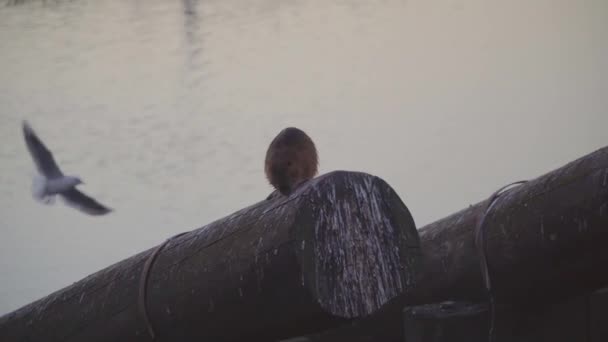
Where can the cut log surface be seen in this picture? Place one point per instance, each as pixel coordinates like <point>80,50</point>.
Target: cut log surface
<point>339,248</point>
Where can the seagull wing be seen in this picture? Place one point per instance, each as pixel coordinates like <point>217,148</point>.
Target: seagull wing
<point>84,203</point>
<point>42,156</point>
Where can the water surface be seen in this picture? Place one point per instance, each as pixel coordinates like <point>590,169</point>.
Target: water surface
<point>165,108</point>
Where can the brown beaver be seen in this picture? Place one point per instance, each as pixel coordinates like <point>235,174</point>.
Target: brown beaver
<point>290,160</point>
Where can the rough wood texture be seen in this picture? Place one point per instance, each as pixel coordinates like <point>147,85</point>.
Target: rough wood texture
<point>545,240</point>
<point>339,248</point>
<point>447,321</point>
<point>385,325</point>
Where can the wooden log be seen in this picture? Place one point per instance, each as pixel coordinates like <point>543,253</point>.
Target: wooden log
<point>337,249</point>
<point>384,325</point>
<point>455,322</point>
<point>447,321</point>
<point>546,242</point>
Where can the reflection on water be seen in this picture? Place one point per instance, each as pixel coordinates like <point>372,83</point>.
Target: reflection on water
<point>166,108</point>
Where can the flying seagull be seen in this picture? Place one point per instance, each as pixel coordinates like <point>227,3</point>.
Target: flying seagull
<point>53,182</point>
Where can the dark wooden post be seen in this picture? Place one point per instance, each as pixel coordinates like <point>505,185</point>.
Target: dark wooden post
<point>339,248</point>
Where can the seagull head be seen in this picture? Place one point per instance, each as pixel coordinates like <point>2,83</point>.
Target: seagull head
<point>73,180</point>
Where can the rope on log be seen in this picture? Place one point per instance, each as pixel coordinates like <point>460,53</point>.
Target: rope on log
<point>483,259</point>
<point>143,285</point>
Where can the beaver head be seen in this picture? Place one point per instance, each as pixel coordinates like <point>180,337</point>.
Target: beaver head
<point>290,160</point>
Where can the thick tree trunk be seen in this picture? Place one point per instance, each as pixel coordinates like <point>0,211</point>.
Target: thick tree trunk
<point>339,248</point>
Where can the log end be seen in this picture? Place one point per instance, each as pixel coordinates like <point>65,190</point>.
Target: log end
<point>357,243</point>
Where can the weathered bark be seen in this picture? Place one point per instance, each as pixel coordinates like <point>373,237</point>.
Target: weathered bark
<point>337,249</point>
<point>545,240</point>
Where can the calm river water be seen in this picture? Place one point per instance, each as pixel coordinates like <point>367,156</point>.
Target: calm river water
<point>166,107</point>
